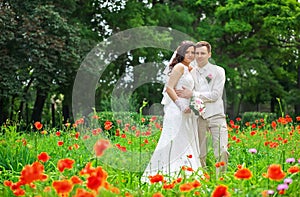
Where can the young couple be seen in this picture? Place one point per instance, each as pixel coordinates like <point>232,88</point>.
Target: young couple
<point>183,141</point>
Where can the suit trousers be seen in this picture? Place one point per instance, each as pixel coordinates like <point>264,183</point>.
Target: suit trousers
<point>217,126</point>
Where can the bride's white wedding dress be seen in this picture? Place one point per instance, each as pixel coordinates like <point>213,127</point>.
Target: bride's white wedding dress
<point>179,139</point>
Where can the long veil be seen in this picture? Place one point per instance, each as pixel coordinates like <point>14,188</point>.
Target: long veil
<point>166,99</point>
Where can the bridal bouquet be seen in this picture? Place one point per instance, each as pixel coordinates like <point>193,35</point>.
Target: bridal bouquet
<point>197,106</point>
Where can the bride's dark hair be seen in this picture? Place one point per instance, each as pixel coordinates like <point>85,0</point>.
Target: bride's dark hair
<point>181,50</point>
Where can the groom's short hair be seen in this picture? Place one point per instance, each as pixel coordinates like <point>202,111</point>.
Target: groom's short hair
<point>204,44</point>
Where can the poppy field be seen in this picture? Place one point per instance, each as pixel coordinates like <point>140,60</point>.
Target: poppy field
<point>105,156</point>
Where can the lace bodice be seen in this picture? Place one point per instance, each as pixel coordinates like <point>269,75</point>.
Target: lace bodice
<point>185,80</point>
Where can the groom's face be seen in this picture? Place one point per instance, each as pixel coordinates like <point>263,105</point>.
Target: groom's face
<point>202,56</point>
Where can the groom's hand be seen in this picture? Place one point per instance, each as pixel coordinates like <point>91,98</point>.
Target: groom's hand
<point>184,93</point>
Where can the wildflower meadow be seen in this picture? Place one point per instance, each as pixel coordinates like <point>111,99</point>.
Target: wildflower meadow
<point>105,156</point>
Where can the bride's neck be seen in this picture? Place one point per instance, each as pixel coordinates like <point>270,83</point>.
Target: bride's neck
<point>185,63</point>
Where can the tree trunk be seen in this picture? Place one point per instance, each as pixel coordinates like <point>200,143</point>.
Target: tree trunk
<point>53,114</point>
<point>3,116</point>
<point>273,101</point>
<point>27,114</point>
<point>12,108</point>
<point>3,108</point>
<point>66,113</point>
<point>41,96</point>
<point>23,100</point>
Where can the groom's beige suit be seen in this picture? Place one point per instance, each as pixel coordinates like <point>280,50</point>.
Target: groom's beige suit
<point>209,86</point>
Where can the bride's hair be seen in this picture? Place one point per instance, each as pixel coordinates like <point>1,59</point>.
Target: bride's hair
<point>181,50</point>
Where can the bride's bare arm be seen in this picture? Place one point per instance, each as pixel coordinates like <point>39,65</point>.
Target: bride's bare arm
<point>175,75</point>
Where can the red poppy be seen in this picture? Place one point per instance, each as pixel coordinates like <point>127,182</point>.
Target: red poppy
<point>100,146</point>
<point>221,191</point>
<point>77,134</point>
<point>19,192</point>
<point>281,192</point>
<point>133,128</point>
<point>158,194</point>
<point>76,146</point>
<point>157,125</point>
<point>196,184</point>
<point>88,169</point>
<point>156,178</point>
<point>186,187</point>
<point>63,164</point>
<point>275,172</point>
<point>31,173</point>
<point>207,176</point>
<point>83,193</point>
<point>95,117</point>
<point>97,179</point>
<point>169,186</point>
<point>121,148</point>
<point>38,125</point>
<point>44,157</point>
<point>282,120</point>
<point>60,143</point>
<point>7,183</point>
<point>123,135</point>
<point>117,132</point>
<point>293,169</point>
<point>57,133</point>
<point>76,180</point>
<point>273,124</point>
<point>115,190</point>
<point>178,180</point>
<point>243,173</point>
<point>108,125</point>
<point>153,118</point>
<point>62,187</point>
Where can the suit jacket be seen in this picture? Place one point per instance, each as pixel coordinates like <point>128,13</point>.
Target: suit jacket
<point>213,77</point>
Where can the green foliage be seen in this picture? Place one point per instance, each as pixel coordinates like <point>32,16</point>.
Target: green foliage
<point>124,168</point>
<point>257,117</point>
<point>14,154</point>
<point>43,42</point>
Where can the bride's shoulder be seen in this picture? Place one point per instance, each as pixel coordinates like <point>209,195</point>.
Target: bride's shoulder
<point>179,67</point>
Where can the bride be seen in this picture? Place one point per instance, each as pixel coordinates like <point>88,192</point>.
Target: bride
<point>178,146</point>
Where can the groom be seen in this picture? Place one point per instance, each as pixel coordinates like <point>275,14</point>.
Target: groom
<point>209,85</point>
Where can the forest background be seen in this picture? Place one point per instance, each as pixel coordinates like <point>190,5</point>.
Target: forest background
<point>43,43</point>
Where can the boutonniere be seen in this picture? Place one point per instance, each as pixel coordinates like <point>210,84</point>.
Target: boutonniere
<point>209,77</point>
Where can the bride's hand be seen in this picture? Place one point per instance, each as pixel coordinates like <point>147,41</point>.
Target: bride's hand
<point>187,110</point>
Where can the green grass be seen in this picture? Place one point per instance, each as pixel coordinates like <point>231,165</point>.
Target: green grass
<point>124,169</point>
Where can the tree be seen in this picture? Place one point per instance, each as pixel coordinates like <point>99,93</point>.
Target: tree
<point>249,38</point>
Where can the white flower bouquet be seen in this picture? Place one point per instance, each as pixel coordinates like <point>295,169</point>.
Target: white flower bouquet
<point>197,106</point>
